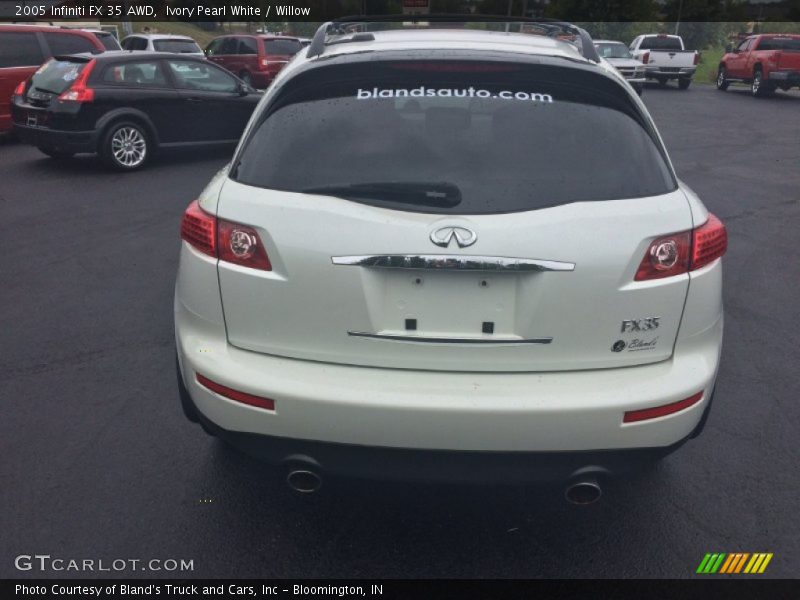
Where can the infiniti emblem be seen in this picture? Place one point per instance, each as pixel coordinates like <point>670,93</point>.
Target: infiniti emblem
<point>443,236</point>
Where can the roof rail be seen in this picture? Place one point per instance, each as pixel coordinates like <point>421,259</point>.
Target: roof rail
<point>553,28</point>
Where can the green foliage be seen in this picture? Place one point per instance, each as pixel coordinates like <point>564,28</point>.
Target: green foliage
<point>613,10</point>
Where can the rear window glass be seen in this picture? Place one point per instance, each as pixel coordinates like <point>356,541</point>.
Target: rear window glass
<point>282,46</point>
<point>461,138</point>
<point>789,44</point>
<point>68,43</point>
<point>109,41</point>
<point>56,76</point>
<point>185,46</point>
<point>660,43</point>
<point>613,50</point>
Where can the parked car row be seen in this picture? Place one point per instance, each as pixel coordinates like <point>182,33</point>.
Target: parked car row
<point>23,48</point>
<point>255,59</point>
<point>124,105</point>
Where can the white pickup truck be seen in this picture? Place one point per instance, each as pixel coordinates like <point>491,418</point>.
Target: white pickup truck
<point>665,58</point>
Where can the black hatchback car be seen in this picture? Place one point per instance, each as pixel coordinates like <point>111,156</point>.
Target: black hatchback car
<point>124,106</point>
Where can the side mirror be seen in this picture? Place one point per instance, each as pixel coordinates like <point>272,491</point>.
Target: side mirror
<point>729,48</point>
<point>243,88</point>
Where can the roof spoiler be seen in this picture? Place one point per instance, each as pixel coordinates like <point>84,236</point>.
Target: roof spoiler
<point>345,25</point>
<point>78,57</point>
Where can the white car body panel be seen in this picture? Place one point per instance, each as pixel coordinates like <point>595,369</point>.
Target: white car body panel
<point>282,312</point>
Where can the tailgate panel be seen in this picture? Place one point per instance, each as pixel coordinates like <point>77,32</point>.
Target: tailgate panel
<point>308,307</point>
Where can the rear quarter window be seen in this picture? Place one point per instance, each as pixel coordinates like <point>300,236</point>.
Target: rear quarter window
<point>68,43</point>
<point>282,47</point>
<point>19,49</point>
<point>176,46</point>
<point>502,138</point>
<point>135,74</point>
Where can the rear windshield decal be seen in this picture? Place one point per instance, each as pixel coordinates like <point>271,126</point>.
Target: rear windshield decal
<point>470,92</point>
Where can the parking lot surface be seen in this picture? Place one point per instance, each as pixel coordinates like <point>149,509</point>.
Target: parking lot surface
<point>98,461</point>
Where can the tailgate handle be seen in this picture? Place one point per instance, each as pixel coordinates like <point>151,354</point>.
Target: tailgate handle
<point>452,262</point>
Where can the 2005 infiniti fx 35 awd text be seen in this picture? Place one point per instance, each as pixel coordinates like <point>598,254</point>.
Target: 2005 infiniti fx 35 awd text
<point>450,255</point>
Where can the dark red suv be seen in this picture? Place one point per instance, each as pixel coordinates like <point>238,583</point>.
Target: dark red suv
<point>256,59</point>
<point>24,47</point>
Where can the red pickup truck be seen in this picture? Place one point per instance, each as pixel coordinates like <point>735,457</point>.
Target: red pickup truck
<point>766,61</point>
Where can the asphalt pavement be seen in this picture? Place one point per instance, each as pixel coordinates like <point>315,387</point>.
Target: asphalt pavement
<point>98,462</point>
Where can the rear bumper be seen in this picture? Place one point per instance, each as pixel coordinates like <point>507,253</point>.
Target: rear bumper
<point>472,412</point>
<point>653,72</point>
<point>441,466</point>
<point>67,141</point>
<point>786,77</point>
<point>261,79</point>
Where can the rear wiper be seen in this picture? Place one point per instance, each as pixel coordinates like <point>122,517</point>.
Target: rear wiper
<point>46,91</point>
<point>440,194</point>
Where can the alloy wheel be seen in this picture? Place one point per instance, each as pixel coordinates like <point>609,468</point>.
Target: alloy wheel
<point>129,146</point>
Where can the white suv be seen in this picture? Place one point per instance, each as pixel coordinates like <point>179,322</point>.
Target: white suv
<point>162,42</point>
<point>450,254</point>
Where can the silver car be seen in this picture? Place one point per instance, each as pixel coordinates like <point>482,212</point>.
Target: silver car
<point>618,55</point>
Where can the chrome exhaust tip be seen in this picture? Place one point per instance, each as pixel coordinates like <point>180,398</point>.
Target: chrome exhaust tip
<point>583,491</point>
<point>304,481</point>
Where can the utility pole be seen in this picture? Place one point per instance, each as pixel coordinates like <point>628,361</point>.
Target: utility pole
<point>678,22</point>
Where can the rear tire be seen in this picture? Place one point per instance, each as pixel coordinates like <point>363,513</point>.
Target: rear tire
<point>758,88</point>
<point>126,146</point>
<point>722,79</point>
<point>639,88</point>
<point>684,83</point>
<point>57,154</point>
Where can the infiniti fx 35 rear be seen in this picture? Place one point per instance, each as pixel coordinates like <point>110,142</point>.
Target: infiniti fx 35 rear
<point>450,255</point>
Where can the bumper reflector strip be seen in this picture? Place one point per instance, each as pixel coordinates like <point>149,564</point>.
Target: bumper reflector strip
<point>243,397</point>
<point>632,416</point>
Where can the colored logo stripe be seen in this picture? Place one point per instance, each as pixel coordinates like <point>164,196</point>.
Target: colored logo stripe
<point>734,563</point>
<point>710,563</point>
<point>758,563</point>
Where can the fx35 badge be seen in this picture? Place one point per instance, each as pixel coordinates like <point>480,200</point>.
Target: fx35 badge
<point>645,324</point>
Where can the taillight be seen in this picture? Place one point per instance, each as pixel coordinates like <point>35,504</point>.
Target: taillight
<point>199,228</point>
<point>710,242</point>
<point>230,242</point>
<point>241,245</point>
<point>78,92</point>
<point>696,58</point>
<point>665,257</point>
<point>646,57</point>
<point>20,90</point>
<point>264,63</point>
<point>679,253</point>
